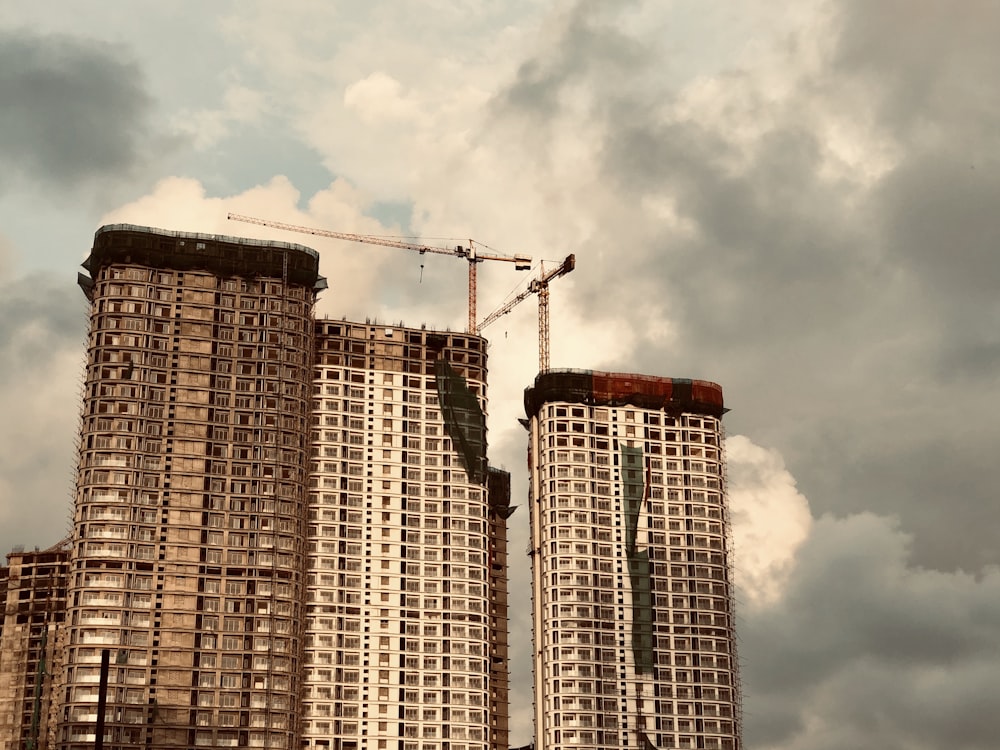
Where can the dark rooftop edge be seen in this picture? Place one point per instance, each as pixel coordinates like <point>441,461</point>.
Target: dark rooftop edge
<point>227,256</point>
<point>671,395</point>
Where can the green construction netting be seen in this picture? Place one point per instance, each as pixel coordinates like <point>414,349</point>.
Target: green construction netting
<point>464,421</point>
<point>633,492</point>
<point>498,488</point>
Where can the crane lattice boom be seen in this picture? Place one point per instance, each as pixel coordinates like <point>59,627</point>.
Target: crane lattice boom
<point>471,253</point>
<point>539,286</point>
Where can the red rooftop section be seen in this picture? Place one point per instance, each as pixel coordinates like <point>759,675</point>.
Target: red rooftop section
<point>671,395</point>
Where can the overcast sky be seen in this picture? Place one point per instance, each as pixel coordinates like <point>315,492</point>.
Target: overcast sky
<point>800,201</point>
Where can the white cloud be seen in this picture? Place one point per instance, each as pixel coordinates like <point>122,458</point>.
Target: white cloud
<point>40,402</point>
<point>770,519</point>
<point>380,98</point>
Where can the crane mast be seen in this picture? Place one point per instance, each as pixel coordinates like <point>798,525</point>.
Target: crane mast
<point>473,255</point>
<point>539,286</point>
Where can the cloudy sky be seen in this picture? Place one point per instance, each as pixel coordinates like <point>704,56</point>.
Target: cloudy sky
<point>800,201</point>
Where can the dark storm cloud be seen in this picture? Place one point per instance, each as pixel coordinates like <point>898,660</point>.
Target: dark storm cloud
<point>877,652</point>
<point>41,333</point>
<point>939,208</point>
<point>72,110</point>
<point>772,245</point>
<point>920,66</point>
<point>852,318</point>
<point>589,45</point>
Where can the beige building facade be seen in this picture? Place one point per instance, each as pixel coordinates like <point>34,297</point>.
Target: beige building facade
<point>32,615</point>
<point>633,628</point>
<point>286,532</point>
<point>188,559</point>
<point>406,587</point>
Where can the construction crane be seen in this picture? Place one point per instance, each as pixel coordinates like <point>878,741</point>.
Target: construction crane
<point>539,286</point>
<point>470,253</point>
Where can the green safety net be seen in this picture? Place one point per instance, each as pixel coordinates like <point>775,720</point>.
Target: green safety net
<point>464,420</point>
<point>640,579</point>
<point>498,490</point>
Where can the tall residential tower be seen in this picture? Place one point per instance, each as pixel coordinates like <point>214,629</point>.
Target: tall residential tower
<point>189,528</point>
<point>633,605</point>
<point>406,617</point>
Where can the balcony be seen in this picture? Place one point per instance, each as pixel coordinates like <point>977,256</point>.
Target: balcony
<point>101,601</point>
<point>89,639</point>
<point>108,534</point>
<point>109,515</point>
<point>102,620</point>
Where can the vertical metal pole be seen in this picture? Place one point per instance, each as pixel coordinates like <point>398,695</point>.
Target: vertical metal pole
<point>543,327</point>
<point>473,292</point>
<point>102,698</point>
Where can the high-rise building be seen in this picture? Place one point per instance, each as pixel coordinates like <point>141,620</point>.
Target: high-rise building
<point>189,557</point>
<point>32,613</point>
<point>406,614</point>
<point>632,598</point>
<point>286,531</point>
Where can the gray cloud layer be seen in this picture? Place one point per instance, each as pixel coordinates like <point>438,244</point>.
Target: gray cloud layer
<point>865,650</point>
<point>865,304</point>
<point>72,110</point>
<point>42,326</point>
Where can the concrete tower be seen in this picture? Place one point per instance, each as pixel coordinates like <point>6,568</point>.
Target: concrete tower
<point>633,608</point>
<point>406,613</point>
<point>189,529</point>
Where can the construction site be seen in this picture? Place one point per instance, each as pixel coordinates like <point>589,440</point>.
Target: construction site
<point>287,532</point>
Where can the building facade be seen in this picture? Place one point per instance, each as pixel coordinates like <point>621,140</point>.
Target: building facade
<point>32,614</point>
<point>189,558</point>
<point>406,588</point>
<point>634,642</point>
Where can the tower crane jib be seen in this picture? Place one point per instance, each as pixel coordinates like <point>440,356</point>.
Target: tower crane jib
<point>471,253</point>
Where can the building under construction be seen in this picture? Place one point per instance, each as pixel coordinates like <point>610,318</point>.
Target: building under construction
<point>633,604</point>
<point>407,572</point>
<point>286,532</point>
<point>32,613</point>
<point>190,512</point>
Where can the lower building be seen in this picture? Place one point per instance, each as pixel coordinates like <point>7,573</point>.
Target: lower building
<point>500,509</point>
<point>632,598</point>
<point>31,618</point>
